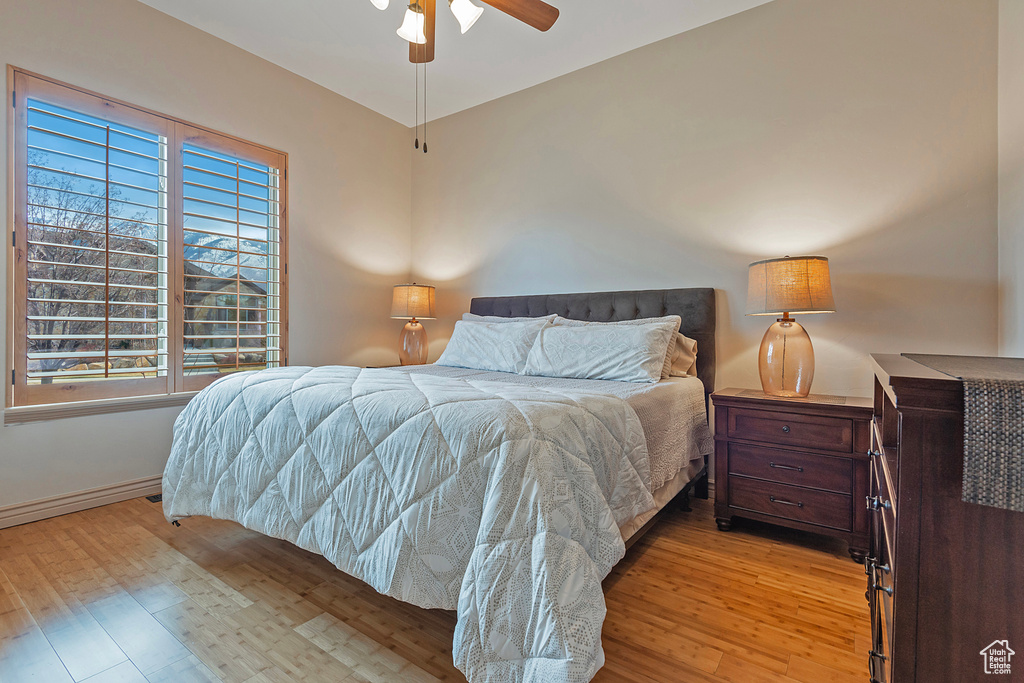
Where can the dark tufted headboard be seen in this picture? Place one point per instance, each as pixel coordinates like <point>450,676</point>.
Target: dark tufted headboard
<point>696,306</point>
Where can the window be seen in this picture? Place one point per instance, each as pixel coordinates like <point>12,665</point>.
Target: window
<point>149,254</point>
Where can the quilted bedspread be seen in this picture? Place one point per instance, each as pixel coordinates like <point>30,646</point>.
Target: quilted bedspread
<point>496,499</point>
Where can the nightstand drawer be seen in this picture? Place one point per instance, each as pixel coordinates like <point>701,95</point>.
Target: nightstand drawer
<point>791,429</point>
<point>790,502</point>
<point>827,472</point>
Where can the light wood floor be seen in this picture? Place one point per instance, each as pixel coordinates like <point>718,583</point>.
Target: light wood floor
<point>117,594</point>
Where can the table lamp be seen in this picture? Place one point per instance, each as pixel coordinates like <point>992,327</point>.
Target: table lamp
<point>409,302</point>
<point>782,286</point>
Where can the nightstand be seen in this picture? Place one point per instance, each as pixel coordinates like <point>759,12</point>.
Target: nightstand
<point>797,462</point>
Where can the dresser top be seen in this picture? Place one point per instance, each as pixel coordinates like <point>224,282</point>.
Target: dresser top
<point>909,383</point>
<point>973,367</point>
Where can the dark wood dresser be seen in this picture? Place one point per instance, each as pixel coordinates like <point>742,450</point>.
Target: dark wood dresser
<point>945,577</point>
<point>800,463</point>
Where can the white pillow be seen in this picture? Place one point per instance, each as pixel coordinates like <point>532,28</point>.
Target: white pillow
<point>681,356</point>
<point>501,347</point>
<point>498,319</point>
<point>624,353</point>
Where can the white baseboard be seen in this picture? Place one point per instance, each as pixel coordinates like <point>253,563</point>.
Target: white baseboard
<point>32,511</point>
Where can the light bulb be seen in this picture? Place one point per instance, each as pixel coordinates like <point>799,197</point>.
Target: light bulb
<point>380,4</point>
<point>412,26</point>
<point>466,12</point>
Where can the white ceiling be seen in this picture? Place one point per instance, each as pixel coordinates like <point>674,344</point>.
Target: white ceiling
<point>351,47</point>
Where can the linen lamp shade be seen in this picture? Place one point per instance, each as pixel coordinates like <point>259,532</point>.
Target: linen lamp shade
<point>799,284</point>
<point>409,302</point>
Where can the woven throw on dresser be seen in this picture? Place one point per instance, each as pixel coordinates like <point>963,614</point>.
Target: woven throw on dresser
<point>994,443</point>
<point>993,426</point>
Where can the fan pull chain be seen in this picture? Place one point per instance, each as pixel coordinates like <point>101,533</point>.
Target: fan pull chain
<point>424,107</point>
<point>416,133</point>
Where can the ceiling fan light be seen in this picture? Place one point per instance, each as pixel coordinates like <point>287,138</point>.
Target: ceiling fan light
<point>380,4</point>
<point>466,12</point>
<point>412,26</point>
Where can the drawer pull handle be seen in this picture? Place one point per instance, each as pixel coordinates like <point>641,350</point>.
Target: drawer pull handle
<point>784,502</point>
<point>785,428</point>
<point>877,569</point>
<point>875,454</point>
<point>876,662</point>
<point>875,503</point>
<point>785,467</point>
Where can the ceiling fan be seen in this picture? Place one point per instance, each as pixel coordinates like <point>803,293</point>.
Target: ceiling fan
<point>418,26</point>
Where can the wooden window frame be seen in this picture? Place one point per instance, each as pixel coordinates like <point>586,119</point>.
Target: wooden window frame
<point>42,401</point>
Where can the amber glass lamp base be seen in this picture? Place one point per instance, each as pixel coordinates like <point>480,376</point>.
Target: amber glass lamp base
<point>412,342</point>
<point>786,360</point>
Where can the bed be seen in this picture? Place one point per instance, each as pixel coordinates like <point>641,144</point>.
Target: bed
<point>506,498</point>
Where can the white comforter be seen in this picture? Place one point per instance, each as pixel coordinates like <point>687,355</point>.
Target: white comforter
<point>497,499</point>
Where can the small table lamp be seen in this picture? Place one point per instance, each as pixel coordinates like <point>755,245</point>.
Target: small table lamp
<point>782,286</point>
<point>409,302</point>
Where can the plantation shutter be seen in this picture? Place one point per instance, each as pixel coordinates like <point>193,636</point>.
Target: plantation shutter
<point>95,211</point>
<point>231,213</point>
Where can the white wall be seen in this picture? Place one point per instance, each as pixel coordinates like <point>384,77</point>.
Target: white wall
<point>1011,176</point>
<point>349,207</point>
<point>863,130</point>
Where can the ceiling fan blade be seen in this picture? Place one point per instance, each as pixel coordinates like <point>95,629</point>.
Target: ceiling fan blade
<point>420,54</point>
<point>536,13</point>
